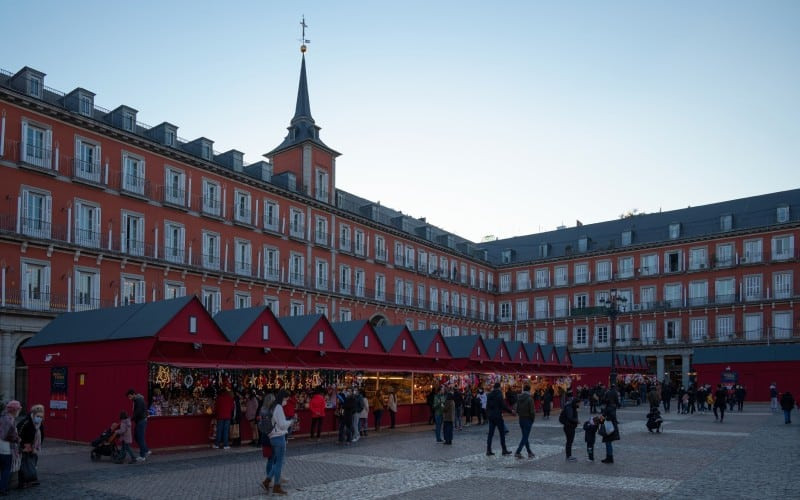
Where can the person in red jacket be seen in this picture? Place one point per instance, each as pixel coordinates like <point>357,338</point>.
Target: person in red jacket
<point>224,411</point>
<point>289,410</point>
<point>317,407</point>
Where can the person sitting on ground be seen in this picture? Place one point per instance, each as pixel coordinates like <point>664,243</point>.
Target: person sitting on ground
<point>654,420</point>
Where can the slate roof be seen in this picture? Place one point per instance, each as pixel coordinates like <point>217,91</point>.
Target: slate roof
<point>388,334</point>
<point>561,352</point>
<point>492,345</point>
<point>530,349</point>
<point>297,327</point>
<point>461,347</point>
<point>346,331</point>
<point>591,359</point>
<point>113,323</point>
<point>546,350</point>
<point>744,354</point>
<point>234,322</point>
<point>513,347</point>
<point>423,339</point>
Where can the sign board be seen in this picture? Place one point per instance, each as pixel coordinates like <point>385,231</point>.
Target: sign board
<point>58,379</point>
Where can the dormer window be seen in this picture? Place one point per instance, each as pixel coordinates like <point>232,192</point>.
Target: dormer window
<point>674,230</point>
<point>169,139</point>
<point>544,250</point>
<point>782,214</point>
<point>35,86</point>
<point>506,256</point>
<point>128,122</point>
<point>321,337</point>
<point>85,105</point>
<point>627,238</point>
<point>205,151</point>
<point>726,222</point>
<point>583,244</point>
<point>403,346</point>
<point>264,332</point>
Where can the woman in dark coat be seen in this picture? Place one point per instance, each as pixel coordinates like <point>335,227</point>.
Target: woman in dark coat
<point>610,415</point>
<point>31,437</point>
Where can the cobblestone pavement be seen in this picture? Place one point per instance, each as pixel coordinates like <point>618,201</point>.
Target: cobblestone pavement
<point>751,455</point>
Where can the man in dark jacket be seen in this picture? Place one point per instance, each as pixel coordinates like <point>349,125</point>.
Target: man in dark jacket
<point>495,405</point>
<point>139,418</point>
<point>787,404</point>
<point>570,422</point>
<point>526,415</point>
<point>719,402</point>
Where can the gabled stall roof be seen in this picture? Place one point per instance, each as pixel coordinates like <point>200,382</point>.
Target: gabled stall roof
<point>550,354</point>
<point>397,339</point>
<point>497,350</point>
<point>467,347</point>
<point>116,323</point>
<point>517,351</point>
<point>427,342</point>
<point>245,327</point>
<point>563,355</point>
<point>347,331</point>
<point>535,354</point>
<point>235,322</point>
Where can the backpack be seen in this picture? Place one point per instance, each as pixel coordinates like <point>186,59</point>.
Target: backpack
<point>265,425</point>
<point>359,404</point>
<point>562,417</point>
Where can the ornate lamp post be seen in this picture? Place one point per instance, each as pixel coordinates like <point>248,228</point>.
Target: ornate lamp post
<point>612,304</point>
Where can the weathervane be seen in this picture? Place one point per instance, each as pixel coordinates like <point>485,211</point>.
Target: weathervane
<point>303,40</point>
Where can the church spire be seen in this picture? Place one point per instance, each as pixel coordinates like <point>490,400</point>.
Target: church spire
<point>302,111</point>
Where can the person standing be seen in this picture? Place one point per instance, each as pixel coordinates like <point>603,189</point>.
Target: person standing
<point>429,401</point>
<point>277,439</point>
<point>317,408</point>
<point>590,435</point>
<point>458,399</point>
<point>773,397</point>
<point>392,404</point>
<point>467,397</point>
<point>482,419</point>
<point>250,412</point>
<point>224,411</point>
<point>377,409</point>
<point>526,413</point>
<point>8,437</point>
<point>448,418</point>
<point>495,405</point>
<point>740,393</point>
<point>569,419</point>
<point>363,415</point>
<point>438,409</point>
<point>666,396</point>
<point>610,415</point>
<point>719,402</point>
<point>547,402</point>
<point>126,436</point>
<point>31,436</point>
<point>139,418</point>
<point>787,404</point>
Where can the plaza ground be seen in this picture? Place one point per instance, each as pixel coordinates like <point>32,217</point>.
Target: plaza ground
<point>751,455</point>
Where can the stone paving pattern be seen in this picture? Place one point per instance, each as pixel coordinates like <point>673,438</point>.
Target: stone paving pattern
<point>751,455</point>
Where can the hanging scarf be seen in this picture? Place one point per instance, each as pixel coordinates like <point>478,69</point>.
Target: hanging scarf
<point>37,439</point>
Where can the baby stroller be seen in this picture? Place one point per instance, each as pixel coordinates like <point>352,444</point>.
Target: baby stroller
<point>106,446</point>
<point>654,420</point>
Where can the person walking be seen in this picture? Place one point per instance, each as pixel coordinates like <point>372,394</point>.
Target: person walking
<point>740,394</point>
<point>719,402</point>
<point>482,407</point>
<point>495,405</point>
<point>666,396</point>
<point>448,417</point>
<point>8,438</point>
<point>467,397</point>
<point>363,415</point>
<point>126,436</point>
<point>277,439</point>
<point>139,418</point>
<point>458,399</point>
<point>526,413</point>
<point>773,397</point>
<point>438,408</point>
<point>787,405</point>
<point>392,405</point>
<point>31,436</point>
<point>569,419</point>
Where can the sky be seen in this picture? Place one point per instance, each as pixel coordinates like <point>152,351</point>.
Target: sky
<point>488,118</point>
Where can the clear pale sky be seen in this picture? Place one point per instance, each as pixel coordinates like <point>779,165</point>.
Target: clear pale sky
<point>501,118</point>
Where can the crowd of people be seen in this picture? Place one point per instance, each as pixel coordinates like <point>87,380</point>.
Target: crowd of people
<point>20,445</point>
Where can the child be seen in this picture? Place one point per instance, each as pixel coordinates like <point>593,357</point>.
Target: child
<point>590,429</point>
<point>124,432</point>
<point>685,404</point>
<point>654,420</point>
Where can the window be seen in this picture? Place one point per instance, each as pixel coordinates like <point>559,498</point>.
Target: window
<point>583,244</point>
<point>523,280</point>
<point>422,261</point>
<point>603,270</point>
<point>647,331</point>
<point>724,255</point>
<point>296,308</point>
<point>398,253</point>
<point>673,262</point>
<point>211,198</point>
<point>421,295</point>
<point>561,276</point>
<point>697,258</point>
<point>541,308</point>
<point>724,290</point>
<point>522,309</point>
<point>241,300</point>
<point>244,258</point>
<point>672,295</point>
<point>697,329</point>
<point>481,279</point>
<point>132,233</point>
<point>37,207</point>
<point>85,105</point>
<point>128,121</point>
<point>321,274</point>
<point>782,324</point>
<point>87,289</point>
<point>242,211</point>
<point>752,326</point>
<point>725,328</point>
<point>625,267</point>
<point>344,280</point>
<point>626,238</point>
<point>434,295</point>
<point>726,223</point>
<point>87,224</point>
<point>133,179</point>
<point>482,309</point>
<point>321,231</point>
<point>35,285</point>
<point>380,287</point>
<point>445,301</point>
<point>210,250</point>
<point>86,164</point>
<point>380,248</point>
<point>359,283</point>
<point>132,290</point>
<point>540,336</point>
<point>505,311</point>
<point>782,247</point>
<point>505,282</point>
<point>698,293</point>
<point>271,263</point>
<point>175,192</point>
<point>296,269</point>
<point>782,284</point>
<point>672,331</point>
<point>169,138</point>
<point>173,290</point>
<point>506,256</point>
<point>580,337</point>
<point>752,251</point>
<point>472,277</point>
<point>561,306</point>
<point>321,309</point>
<point>581,300</point>
<point>272,303</point>
<point>212,300</point>
<point>345,315</point>
<point>601,334</point>
<point>544,250</point>
<point>174,242</point>
<point>358,239</point>
<point>36,145</point>
<point>649,265</point>
<point>344,238</point>
<point>782,214</point>
<point>542,278</point>
<point>271,215</point>
<point>674,230</point>
<point>321,187</point>
<point>520,336</point>
<point>490,281</point>
<point>582,272</point>
<point>462,271</point>
<point>624,333</point>
<point>296,223</point>
<point>752,287</point>
<point>35,86</point>
<point>647,297</point>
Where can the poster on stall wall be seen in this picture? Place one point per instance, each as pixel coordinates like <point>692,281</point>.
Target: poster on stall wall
<point>58,388</point>
<point>729,378</point>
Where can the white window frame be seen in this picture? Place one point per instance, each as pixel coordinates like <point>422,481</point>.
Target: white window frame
<point>321,235</point>
<point>782,324</point>
<point>241,300</point>
<point>698,329</point>
<point>380,248</point>
<point>753,251</point>
<point>86,164</point>
<point>243,257</point>
<point>782,284</point>
<point>728,285</point>
<point>212,300</point>
<point>271,215</point>
<point>86,289</point>
<point>297,227</point>
<point>212,194</point>
<point>698,258</point>
<point>131,290</point>
<point>174,289</point>
<point>37,213</point>
<point>36,148</point>
<point>561,276</point>
<point>321,274</point>
<point>380,287</point>
<point>358,242</point>
<point>243,207</point>
<point>133,233</point>
<point>211,250</point>
<point>88,217</point>
<point>725,327</point>
<point>174,242</point>
<point>133,173</point>
<point>626,267</point>
<point>272,263</point>
<point>345,242</point>
<point>603,270</point>
<point>175,186</point>
<point>296,269</point>
<point>35,284</point>
<point>783,247</point>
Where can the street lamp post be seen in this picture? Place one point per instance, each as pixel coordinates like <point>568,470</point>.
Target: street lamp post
<point>612,304</point>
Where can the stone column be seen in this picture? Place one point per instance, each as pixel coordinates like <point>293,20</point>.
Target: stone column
<point>686,364</point>
<point>659,367</point>
<point>7,364</point>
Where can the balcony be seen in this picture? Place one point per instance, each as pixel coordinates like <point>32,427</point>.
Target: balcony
<point>297,279</point>
<point>381,255</point>
<point>272,273</point>
<point>242,215</point>
<point>36,228</point>
<point>211,206</point>
<point>174,254</point>
<point>173,195</point>
<point>243,268</point>
<point>133,184</point>
<point>211,261</point>
<point>87,171</point>
<point>37,156</point>
<point>297,231</point>
<point>87,238</point>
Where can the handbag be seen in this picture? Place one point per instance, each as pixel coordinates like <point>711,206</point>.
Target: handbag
<point>27,469</point>
<point>608,426</point>
<point>235,431</point>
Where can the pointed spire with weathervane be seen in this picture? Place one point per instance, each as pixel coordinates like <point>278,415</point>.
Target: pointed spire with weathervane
<point>302,128</point>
